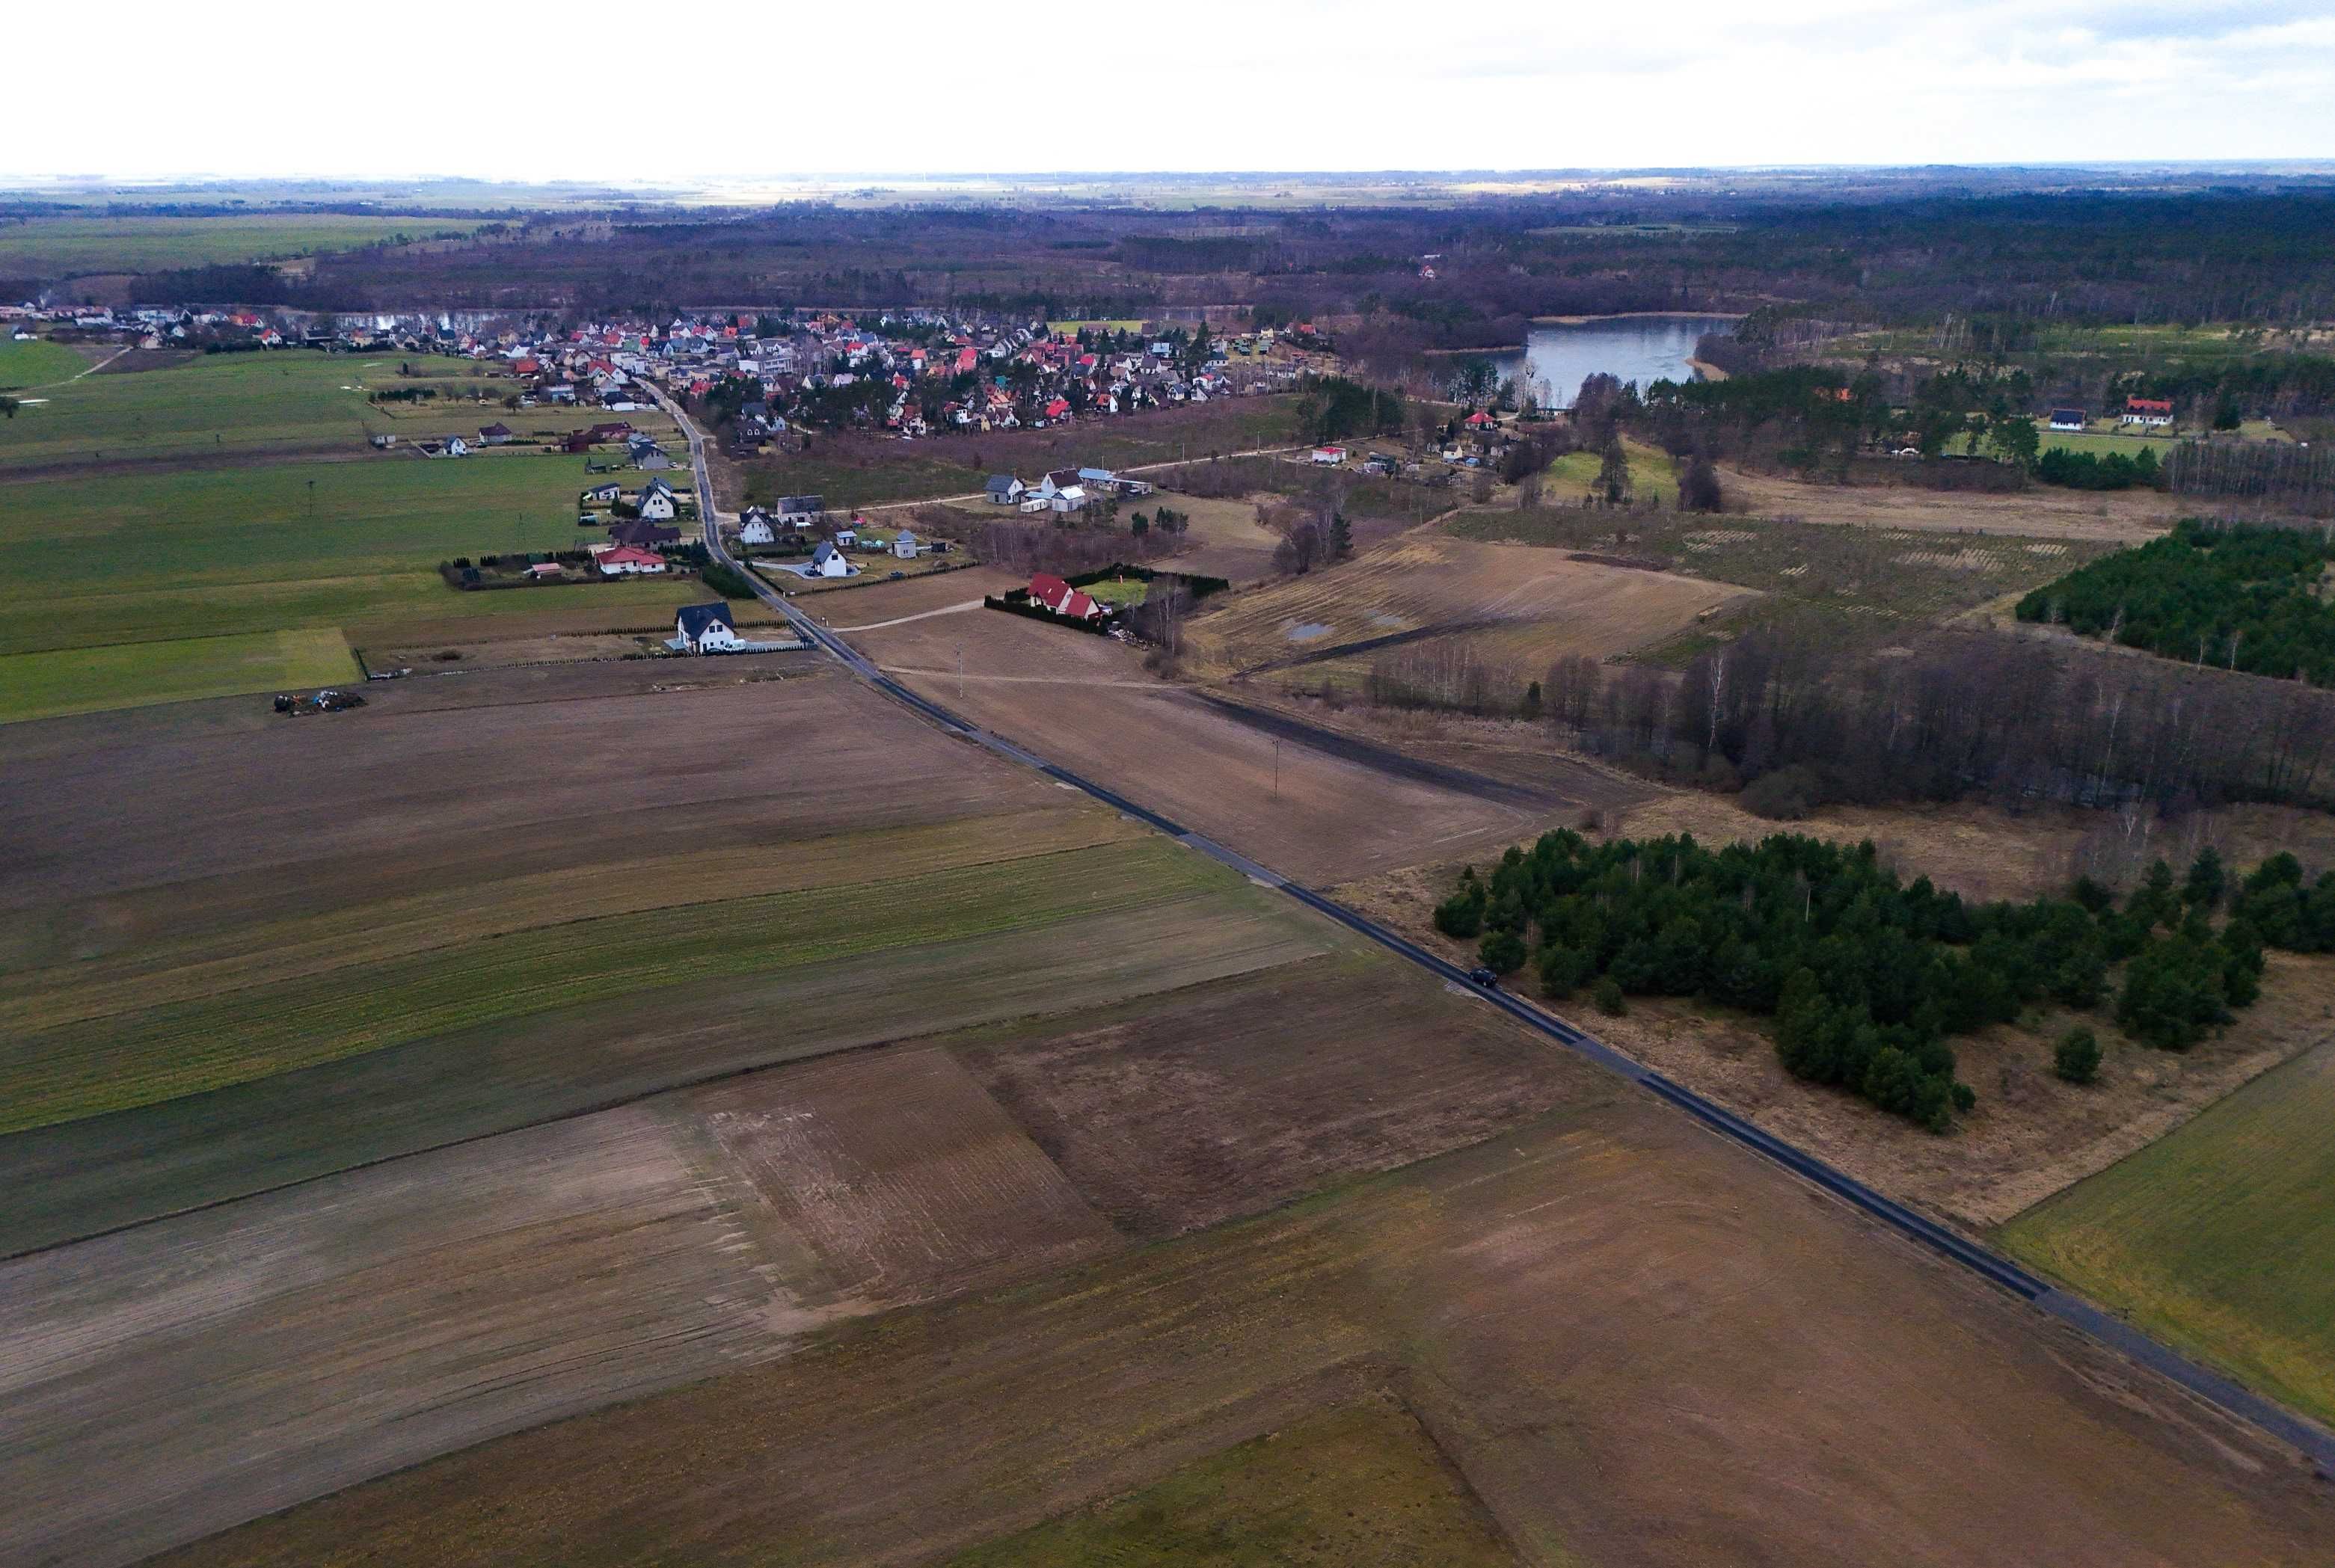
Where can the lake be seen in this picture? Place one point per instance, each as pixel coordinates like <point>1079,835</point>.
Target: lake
<point>1639,348</point>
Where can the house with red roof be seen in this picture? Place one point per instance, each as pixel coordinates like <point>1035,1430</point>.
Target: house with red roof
<point>1052,593</point>
<point>2155,413</point>
<point>625,561</point>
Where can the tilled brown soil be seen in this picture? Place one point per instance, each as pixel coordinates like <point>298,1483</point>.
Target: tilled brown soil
<point>1638,1344</point>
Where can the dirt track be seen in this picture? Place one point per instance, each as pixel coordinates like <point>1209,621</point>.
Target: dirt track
<point>1325,812</point>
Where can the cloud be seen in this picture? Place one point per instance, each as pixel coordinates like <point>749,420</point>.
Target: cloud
<point>719,88</point>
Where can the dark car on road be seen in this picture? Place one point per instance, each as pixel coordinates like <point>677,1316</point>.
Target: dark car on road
<point>1485,978</point>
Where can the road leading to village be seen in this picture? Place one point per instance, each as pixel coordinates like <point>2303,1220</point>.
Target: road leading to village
<point>2313,1441</point>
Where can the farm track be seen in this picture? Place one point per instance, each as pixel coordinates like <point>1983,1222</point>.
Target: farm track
<point>1366,645</point>
<point>2316,1442</point>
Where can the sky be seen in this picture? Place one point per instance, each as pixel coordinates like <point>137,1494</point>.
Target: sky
<point>710,90</point>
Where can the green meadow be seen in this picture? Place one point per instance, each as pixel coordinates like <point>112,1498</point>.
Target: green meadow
<point>68,246</point>
<point>34,364</point>
<point>142,557</point>
<point>2220,1237</point>
<point>130,675</point>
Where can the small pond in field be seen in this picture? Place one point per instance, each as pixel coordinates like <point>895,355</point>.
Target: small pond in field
<point>1640,348</point>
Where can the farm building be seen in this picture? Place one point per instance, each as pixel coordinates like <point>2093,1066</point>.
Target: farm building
<point>1051,593</point>
<point>2153,414</point>
<point>2067,419</point>
<point>707,629</point>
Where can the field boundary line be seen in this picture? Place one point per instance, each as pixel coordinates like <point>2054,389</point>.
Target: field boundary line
<point>619,1102</point>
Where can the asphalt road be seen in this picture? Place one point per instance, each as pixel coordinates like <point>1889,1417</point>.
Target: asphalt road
<point>2314,1441</point>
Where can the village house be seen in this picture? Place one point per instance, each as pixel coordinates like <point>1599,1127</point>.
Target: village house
<point>754,527</point>
<point>1053,594</point>
<point>658,504</point>
<point>904,547</point>
<point>2151,413</point>
<point>801,511</point>
<point>495,435</point>
<point>624,561</point>
<point>707,629</point>
<point>1004,489</point>
<point>600,495</point>
<point>827,561</point>
<point>643,535</point>
<point>2067,419</point>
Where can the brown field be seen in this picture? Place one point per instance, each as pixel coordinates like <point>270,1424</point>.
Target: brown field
<point>1223,538</point>
<point>1308,812</point>
<point>1513,605</point>
<point>1638,1346</point>
<point>2117,518</point>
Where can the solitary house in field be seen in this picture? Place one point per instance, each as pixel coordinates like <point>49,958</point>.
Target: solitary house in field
<point>1051,593</point>
<point>495,435</point>
<point>707,629</point>
<point>2067,419</point>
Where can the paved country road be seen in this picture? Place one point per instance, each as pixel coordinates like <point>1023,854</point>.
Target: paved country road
<point>2314,1441</point>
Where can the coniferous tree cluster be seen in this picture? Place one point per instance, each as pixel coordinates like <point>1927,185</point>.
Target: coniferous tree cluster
<point>1867,976</point>
<point>2242,597</point>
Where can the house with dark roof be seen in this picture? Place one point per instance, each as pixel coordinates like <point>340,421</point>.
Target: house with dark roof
<point>643,535</point>
<point>495,435</point>
<point>1004,489</point>
<point>707,629</point>
<point>2067,419</point>
<point>827,561</point>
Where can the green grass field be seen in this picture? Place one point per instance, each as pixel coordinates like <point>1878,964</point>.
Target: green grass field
<point>2101,443</point>
<point>1132,591</point>
<point>36,364</point>
<point>144,557</point>
<point>131,674</point>
<point>272,404</point>
<point>70,247</point>
<point>145,1055</point>
<point>1651,473</point>
<point>2220,1237</point>
<point>1360,1484</point>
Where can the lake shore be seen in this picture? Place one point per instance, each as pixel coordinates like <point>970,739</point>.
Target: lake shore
<point>1635,315</point>
<point>1706,371</point>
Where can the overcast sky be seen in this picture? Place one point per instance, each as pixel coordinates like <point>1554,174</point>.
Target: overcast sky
<point>707,89</point>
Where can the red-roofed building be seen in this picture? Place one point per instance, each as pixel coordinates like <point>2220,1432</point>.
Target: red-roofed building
<point>1058,409</point>
<point>624,561</point>
<point>2154,412</point>
<point>1051,593</point>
